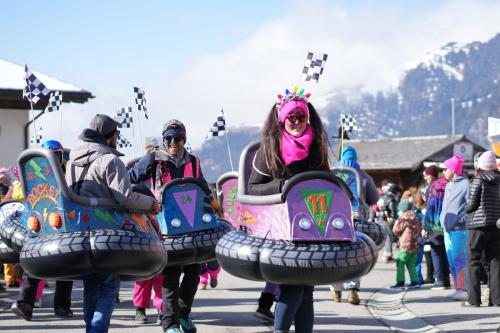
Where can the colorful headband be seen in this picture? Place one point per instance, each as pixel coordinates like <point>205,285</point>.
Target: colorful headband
<point>293,96</point>
<point>291,101</point>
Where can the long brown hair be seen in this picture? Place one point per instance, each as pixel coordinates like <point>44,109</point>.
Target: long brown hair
<point>270,143</point>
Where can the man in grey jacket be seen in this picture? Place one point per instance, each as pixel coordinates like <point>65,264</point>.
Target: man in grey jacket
<point>453,221</point>
<point>95,170</point>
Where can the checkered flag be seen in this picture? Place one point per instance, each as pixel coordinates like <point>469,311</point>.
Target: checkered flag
<point>124,117</point>
<point>34,87</point>
<point>219,127</point>
<point>122,142</point>
<point>140,100</point>
<point>55,101</point>
<point>348,122</point>
<point>313,67</point>
<point>37,136</point>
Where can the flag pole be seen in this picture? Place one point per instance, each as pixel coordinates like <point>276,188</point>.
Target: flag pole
<point>227,142</point>
<point>140,130</point>
<point>133,137</point>
<point>341,141</point>
<point>60,123</point>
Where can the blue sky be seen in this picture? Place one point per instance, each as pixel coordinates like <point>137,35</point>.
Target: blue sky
<point>194,57</point>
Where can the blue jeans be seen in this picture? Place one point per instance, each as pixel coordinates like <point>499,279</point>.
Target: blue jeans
<point>99,296</point>
<point>440,263</point>
<point>294,303</point>
<point>420,257</point>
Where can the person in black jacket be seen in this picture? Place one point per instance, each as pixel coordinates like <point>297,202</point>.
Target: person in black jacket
<point>293,141</point>
<point>483,207</point>
<point>159,168</point>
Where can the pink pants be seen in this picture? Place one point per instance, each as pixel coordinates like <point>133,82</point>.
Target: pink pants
<point>142,292</point>
<point>212,273</point>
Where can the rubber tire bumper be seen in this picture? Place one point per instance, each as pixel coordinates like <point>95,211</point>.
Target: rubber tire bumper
<point>8,255</point>
<point>13,234</point>
<point>298,263</point>
<point>195,247</point>
<point>373,230</point>
<point>133,255</point>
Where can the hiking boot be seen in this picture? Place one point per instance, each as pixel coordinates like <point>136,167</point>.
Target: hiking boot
<point>264,313</point>
<point>213,283</point>
<point>63,313</point>
<point>428,281</point>
<point>440,285</point>
<point>353,297</point>
<point>23,310</point>
<point>399,285</point>
<point>337,296</point>
<point>140,316</point>
<point>413,285</point>
<point>187,326</point>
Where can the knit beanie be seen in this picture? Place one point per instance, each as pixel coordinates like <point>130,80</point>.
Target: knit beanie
<point>404,205</point>
<point>455,164</point>
<point>487,161</point>
<point>432,170</point>
<point>176,126</point>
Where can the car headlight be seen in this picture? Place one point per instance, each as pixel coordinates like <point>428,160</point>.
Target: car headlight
<point>207,218</point>
<point>176,223</point>
<point>305,223</point>
<point>338,223</point>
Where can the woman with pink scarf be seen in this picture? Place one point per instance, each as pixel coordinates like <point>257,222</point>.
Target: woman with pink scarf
<point>293,141</point>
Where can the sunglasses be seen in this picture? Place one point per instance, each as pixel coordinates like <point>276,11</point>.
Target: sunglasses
<point>299,116</point>
<point>171,139</point>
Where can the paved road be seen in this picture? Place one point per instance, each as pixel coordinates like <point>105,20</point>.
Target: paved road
<point>229,309</point>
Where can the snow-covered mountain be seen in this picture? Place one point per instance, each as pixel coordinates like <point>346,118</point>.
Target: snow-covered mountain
<point>420,105</point>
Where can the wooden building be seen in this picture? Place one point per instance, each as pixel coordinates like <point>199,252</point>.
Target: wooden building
<point>402,160</point>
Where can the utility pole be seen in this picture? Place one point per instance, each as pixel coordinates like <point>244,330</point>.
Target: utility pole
<point>452,116</point>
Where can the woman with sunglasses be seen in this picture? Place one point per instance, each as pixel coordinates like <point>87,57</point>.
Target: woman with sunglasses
<point>293,141</point>
<point>164,166</point>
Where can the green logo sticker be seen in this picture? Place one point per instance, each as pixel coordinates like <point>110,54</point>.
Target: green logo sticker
<point>318,203</point>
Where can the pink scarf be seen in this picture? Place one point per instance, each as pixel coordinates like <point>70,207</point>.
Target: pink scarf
<point>295,148</point>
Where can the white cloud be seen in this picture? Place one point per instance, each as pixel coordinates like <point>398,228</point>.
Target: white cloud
<point>367,47</point>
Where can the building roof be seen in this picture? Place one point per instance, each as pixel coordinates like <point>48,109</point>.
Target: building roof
<point>406,152</point>
<point>12,84</point>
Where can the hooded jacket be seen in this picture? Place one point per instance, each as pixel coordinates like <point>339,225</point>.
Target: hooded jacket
<point>106,176</point>
<point>408,228</point>
<point>368,189</point>
<point>453,217</point>
<point>483,204</point>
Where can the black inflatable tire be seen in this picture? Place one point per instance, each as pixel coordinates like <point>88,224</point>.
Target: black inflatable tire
<point>299,263</point>
<point>13,234</point>
<point>70,255</point>
<point>195,247</point>
<point>133,252</point>
<point>8,255</point>
<point>64,255</point>
<point>372,230</point>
